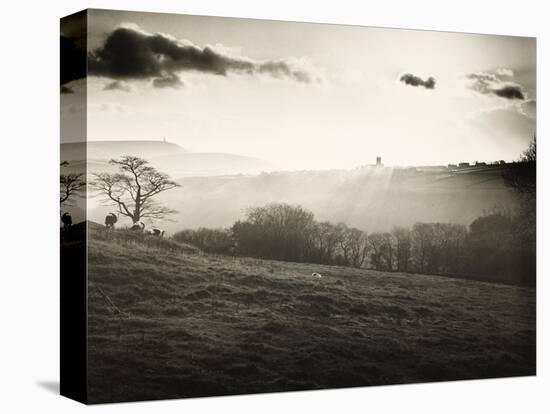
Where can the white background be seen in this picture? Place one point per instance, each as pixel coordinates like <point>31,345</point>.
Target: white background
<point>29,290</point>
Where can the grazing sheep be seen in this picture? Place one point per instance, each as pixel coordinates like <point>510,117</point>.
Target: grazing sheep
<point>155,232</point>
<point>110,220</point>
<point>67,220</point>
<point>317,275</point>
<point>159,232</point>
<point>138,226</point>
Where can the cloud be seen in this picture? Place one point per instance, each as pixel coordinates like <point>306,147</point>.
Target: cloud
<point>483,78</point>
<point>73,60</point>
<point>66,89</point>
<point>412,80</point>
<point>130,53</point>
<point>512,91</point>
<point>488,83</point>
<point>505,72</point>
<point>117,86</point>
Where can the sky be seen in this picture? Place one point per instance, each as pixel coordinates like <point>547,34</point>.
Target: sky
<point>302,95</point>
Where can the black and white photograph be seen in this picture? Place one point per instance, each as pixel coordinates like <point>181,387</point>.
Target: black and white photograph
<point>274,207</point>
<point>268,206</point>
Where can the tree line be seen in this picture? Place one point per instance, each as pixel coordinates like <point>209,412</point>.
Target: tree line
<point>489,248</point>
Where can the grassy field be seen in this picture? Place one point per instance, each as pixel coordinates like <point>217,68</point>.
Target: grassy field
<point>167,321</point>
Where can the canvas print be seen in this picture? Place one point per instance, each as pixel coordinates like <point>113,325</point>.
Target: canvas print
<point>252,206</point>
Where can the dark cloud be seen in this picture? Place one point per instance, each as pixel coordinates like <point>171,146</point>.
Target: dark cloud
<point>281,69</point>
<point>72,60</point>
<point>488,83</point>
<point>510,92</point>
<point>482,82</point>
<point>410,79</point>
<point>132,54</point>
<point>117,86</point>
<point>66,89</point>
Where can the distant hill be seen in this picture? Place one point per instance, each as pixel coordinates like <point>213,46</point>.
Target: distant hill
<point>165,156</point>
<point>113,149</point>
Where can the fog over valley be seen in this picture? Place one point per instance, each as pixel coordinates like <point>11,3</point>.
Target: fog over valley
<point>216,189</point>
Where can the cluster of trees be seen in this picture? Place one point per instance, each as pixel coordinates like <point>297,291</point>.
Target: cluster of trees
<point>521,177</point>
<point>489,248</point>
<point>426,248</point>
<point>284,232</point>
<point>218,241</point>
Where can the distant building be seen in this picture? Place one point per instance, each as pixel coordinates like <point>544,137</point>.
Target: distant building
<point>480,164</point>
<point>379,162</point>
<point>463,164</point>
<point>451,166</point>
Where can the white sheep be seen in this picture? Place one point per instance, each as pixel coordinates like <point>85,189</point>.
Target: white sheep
<point>155,232</point>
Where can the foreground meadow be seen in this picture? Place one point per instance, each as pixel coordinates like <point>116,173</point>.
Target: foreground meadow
<point>166,321</point>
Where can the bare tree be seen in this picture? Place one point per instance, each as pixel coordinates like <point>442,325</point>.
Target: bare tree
<point>422,241</point>
<point>402,240</point>
<point>70,185</point>
<point>322,241</point>
<point>388,251</point>
<point>381,251</point>
<point>359,247</point>
<point>530,154</point>
<point>521,175</point>
<point>333,238</point>
<point>345,241</point>
<point>133,188</point>
<point>280,231</point>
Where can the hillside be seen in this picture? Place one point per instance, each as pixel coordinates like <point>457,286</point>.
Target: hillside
<point>169,321</point>
<point>371,199</point>
<point>168,157</point>
<point>113,149</point>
